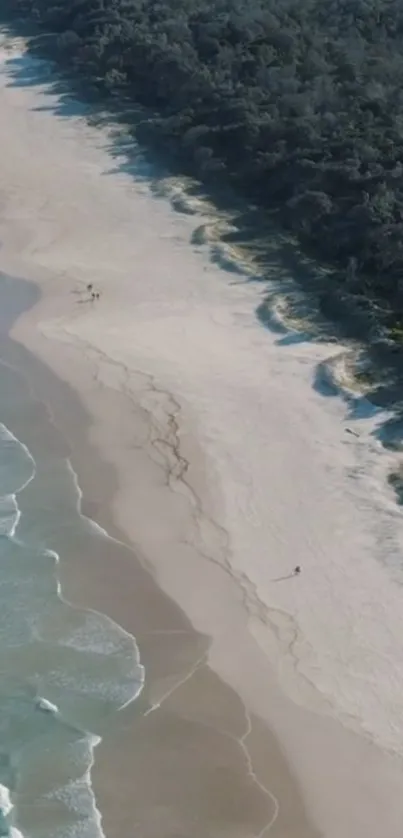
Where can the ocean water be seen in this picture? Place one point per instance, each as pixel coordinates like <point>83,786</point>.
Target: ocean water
<point>64,671</point>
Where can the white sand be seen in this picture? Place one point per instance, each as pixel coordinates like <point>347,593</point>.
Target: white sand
<point>273,480</point>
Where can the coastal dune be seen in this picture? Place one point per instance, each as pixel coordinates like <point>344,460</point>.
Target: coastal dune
<point>232,460</point>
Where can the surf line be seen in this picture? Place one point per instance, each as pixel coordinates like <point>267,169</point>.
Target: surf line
<point>197,665</point>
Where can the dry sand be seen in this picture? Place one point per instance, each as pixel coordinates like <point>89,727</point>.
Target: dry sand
<point>232,468</point>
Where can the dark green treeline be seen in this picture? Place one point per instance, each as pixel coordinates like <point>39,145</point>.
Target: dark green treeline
<point>298,104</point>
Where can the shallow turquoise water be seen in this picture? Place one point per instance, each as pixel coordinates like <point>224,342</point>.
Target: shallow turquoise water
<point>63,670</point>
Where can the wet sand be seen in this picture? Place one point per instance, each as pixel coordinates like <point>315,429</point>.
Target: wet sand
<point>200,763</point>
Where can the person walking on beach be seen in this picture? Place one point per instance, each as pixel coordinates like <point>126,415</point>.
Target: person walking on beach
<point>297,570</point>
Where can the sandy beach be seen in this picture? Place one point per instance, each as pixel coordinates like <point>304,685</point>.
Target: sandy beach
<point>272,704</point>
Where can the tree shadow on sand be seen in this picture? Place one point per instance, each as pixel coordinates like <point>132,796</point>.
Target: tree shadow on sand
<point>299,300</point>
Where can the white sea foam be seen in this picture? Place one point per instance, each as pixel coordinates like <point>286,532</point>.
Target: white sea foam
<point>9,510</point>
<point>7,830</point>
<point>119,693</point>
<point>95,643</point>
<point>5,800</point>
<point>78,796</point>
<point>77,487</point>
<point>54,555</point>
<point>7,436</point>
<point>9,515</point>
<point>98,635</point>
<point>46,706</point>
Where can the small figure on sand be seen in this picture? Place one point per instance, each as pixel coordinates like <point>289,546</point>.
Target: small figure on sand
<point>92,295</point>
<point>297,570</point>
<point>95,295</point>
<point>353,433</point>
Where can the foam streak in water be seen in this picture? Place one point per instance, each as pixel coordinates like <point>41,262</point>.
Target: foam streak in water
<point>105,534</point>
<point>7,830</point>
<point>65,652</point>
<point>17,465</point>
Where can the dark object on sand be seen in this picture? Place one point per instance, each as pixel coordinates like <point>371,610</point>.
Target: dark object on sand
<point>90,286</point>
<point>353,433</point>
<point>297,570</point>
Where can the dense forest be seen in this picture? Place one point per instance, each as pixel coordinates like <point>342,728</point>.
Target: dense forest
<point>298,104</point>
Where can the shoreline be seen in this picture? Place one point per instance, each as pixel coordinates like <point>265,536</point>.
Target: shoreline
<point>156,413</point>
<point>126,593</point>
